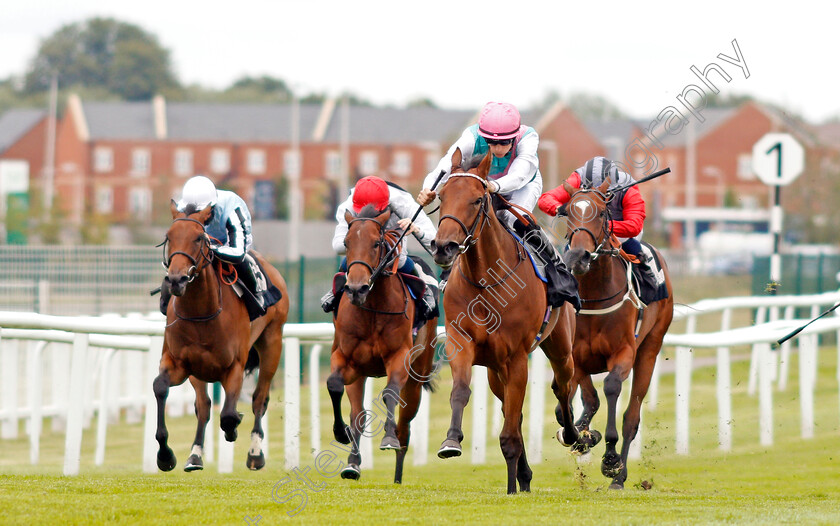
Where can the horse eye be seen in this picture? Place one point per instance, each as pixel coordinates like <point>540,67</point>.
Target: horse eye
<point>477,202</point>
<point>377,244</point>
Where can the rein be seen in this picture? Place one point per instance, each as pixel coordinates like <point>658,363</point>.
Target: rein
<point>387,241</point>
<point>604,247</point>
<point>207,257</point>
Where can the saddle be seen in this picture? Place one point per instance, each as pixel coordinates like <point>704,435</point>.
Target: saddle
<point>259,294</point>
<point>648,277</point>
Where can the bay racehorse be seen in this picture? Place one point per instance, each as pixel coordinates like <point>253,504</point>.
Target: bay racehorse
<point>373,338</point>
<point>496,314</point>
<point>208,337</point>
<point>614,333</point>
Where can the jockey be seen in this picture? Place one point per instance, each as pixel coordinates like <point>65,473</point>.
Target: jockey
<point>627,208</point>
<point>372,190</point>
<point>229,229</point>
<point>515,175</point>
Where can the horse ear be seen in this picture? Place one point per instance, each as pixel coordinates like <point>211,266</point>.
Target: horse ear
<point>605,185</point>
<point>173,206</point>
<point>348,216</point>
<point>457,157</point>
<point>205,214</point>
<point>384,216</point>
<point>569,188</point>
<point>484,166</point>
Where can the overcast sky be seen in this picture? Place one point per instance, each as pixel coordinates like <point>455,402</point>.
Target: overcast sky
<point>462,54</point>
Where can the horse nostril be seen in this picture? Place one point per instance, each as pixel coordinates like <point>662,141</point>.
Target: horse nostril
<point>363,290</point>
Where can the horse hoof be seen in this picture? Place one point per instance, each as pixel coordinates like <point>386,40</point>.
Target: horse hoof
<point>351,472</point>
<point>342,434</point>
<point>449,449</point>
<point>595,437</point>
<point>255,462</point>
<point>559,437</point>
<point>229,423</point>
<point>166,459</point>
<point>194,463</point>
<point>611,465</point>
<point>389,442</point>
<point>616,485</point>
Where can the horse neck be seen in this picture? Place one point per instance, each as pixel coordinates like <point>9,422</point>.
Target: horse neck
<point>493,243</point>
<point>601,274</point>
<point>202,295</point>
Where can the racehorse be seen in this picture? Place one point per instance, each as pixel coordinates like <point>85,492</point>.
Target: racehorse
<point>496,314</point>
<point>373,338</point>
<point>208,337</point>
<point>609,337</point>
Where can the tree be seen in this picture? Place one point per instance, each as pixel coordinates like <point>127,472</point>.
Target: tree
<point>258,89</point>
<point>585,106</point>
<point>103,53</point>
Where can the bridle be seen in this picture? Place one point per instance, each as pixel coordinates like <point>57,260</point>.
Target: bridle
<point>206,257</point>
<point>386,239</point>
<point>603,245</point>
<point>472,236</point>
<point>385,236</point>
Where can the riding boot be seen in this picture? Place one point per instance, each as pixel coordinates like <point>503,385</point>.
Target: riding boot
<point>165,296</point>
<point>562,286</point>
<point>250,281</point>
<point>444,277</point>
<point>430,292</point>
<point>328,301</point>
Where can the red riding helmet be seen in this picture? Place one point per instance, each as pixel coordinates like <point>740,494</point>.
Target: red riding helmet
<point>371,190</point>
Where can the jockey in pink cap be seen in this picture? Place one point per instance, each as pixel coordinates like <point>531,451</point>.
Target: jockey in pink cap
<point>514,174</point>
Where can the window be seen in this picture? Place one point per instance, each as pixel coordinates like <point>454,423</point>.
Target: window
<point>291,164</point>
<point>332,165</point>
<point>104,199</point>
<point>402,164</point>
<point>368,163</point>
<point>745,171</point>
<point>140,202</point>
<point>141,161</point>
<point>256,161</point>
<point>219,161</point>
<point>183,162</point>
<point>103,159</point>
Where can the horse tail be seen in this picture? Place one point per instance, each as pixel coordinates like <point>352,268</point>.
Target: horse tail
<point>253,360</point>
<point>431,382</point>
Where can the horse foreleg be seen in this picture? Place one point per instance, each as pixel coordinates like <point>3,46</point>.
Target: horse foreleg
<point>510,439</point>
<point>523,470</point>
<point>335,387</point>
<point>169,375</point>
<point>587,438</point>
<point>461,366</point>
<point>611,464</point>
<point>202,413</point>
<point>355,394</point>
<point>229,417</point>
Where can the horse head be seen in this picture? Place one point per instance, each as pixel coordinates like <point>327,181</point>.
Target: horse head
<point>465,201</point>
<point>588,231</point>
<point>187,249</point>
<point>366,245</point>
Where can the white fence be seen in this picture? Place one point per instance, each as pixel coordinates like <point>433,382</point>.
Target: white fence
<point>100,347</point>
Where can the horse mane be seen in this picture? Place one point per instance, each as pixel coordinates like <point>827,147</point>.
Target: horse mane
<point>189,209</point>
<point>472,162</point>
<point>369,212</point>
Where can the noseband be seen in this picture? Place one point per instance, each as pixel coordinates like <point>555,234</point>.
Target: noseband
<point>472,237</point>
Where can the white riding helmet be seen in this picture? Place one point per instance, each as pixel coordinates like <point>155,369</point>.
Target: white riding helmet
<point>200,192</point>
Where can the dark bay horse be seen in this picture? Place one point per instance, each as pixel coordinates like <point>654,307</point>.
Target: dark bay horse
<point>208,336</point>
<point>496,313</point>
<point>607,338</point>
<point>373,338</point>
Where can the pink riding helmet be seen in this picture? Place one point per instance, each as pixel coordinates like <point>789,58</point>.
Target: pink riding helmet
<point>499,120</point>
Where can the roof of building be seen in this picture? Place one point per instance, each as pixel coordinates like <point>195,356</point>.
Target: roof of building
<point>15,123</point>
<point>120,120</point>
<point>399,125</point>
<point>239,122</point>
